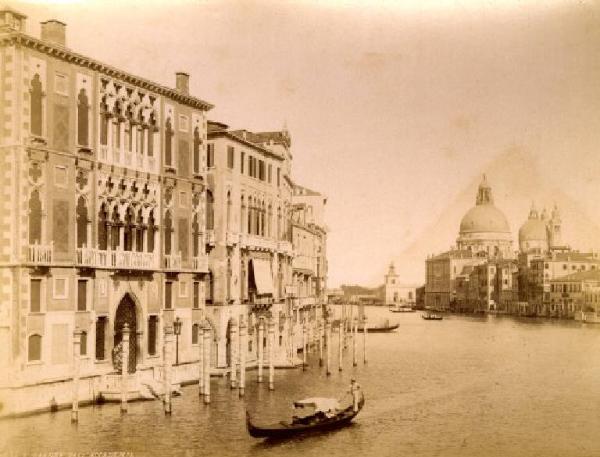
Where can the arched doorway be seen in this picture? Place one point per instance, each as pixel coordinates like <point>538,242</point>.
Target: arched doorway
<point>126,314</point>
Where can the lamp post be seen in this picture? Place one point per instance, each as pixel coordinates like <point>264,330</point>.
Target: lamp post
<point>177,330</point>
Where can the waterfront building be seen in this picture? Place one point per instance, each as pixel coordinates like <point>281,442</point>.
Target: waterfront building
<point>535,279</point>
<point>309,266</point>
<point>483,275</point>
<point>249,198</point>
<point>489,287</point>
<point>576,294</point>
<point>484,235</point>
<point>444,273</point>
<point>119,209</point>
<point>395,292</point>
<point>104,178</point>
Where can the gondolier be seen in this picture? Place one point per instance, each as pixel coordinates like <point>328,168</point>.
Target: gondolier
<point>356,394</point>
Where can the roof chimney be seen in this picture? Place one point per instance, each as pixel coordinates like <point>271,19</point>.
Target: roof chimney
<point>11,20</point>
<point>182,82</point>
<point>54,32</point>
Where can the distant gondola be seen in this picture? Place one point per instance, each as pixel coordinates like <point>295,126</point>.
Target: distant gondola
<point>432,317</point>
<point>316,422</point>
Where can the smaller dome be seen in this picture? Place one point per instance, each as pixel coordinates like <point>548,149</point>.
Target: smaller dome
<point>533,230</point>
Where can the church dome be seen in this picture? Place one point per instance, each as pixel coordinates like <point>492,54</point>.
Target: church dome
<point>534,229</point>
<point>484,219</point>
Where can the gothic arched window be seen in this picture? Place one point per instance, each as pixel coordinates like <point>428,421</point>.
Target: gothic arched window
<point>195,236</point>
<point>104,115</point>
<point>210,210</point>
<point>197,143</point>
<point>34,348</point>
<point>250,216</point>
<point>35,218</point>
<point>229,273</point>
<point>228,220</point>
<point>128,230</point>
<point>269,221</point>
<point>115,235</point>
<point>82,119</point>
<point>36,106</point>
<point>139,233</point>
<point>150,233</point>
<point>242,215</point>
<point>195,328</point>
<point>210,287</point>
<point>83,343</point>
<point>168,230</point>
<point>82,222</point>
<point>168,143</point>
<point>102,228</point>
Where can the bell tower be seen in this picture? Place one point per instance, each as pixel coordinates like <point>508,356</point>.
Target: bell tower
<point>555,228</point>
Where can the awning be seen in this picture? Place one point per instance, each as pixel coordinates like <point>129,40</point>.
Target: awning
<point>262,276</point>
<point>319,404</point>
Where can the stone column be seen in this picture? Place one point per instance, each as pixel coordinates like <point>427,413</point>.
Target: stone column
<point>233,342</point>
<point>320,332</point>
<point>354,334</point>
<point>243,351</point>
<point>167,368</point>
<point>365,339</point>
<point>260,349</point>
<point>200,359</point>
<point>207,348</point>
<point>340,344</point>
<point>76,368</point>
<point>304,344</point>
<point>328,345</point>
<point>124,368</point>
<point>271,354</point>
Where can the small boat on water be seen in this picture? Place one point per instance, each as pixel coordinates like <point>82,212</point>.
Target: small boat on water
<point>401,309</point>
<point>429,316</point>
<point>380,328</point>
<point>383,328</point>
<point>327,414</point>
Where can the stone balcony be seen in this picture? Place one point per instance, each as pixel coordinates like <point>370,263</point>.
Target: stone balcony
<point>257,242</point>
<point>172,262</point>
<point>127,260</point>
<point>304,262</point>
<point>200,264</point>
<point>231,238</point>
<point>285,247</point>
<point>40,254</point>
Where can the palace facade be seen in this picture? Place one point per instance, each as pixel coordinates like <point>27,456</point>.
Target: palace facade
<point>122,204</point>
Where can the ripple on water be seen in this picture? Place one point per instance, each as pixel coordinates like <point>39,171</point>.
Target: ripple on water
<point>463,386</point>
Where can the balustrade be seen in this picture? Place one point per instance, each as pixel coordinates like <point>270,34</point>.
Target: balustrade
<point>200,263</point>
<point>97,258</point>
<point>172,261</point>
<point>40,254</point>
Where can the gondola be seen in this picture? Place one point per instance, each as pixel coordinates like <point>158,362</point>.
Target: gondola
<point>380,328</point>
<point>432,317</point>
<point>320,421</point>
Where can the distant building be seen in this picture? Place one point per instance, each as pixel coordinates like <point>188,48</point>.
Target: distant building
<point>575,293</point>
<point>397,293</point>
<point>484,234</point>
<point>483,275</point>
<point>484,230</point>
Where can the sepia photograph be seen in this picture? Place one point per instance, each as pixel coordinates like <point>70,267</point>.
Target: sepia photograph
<point>317,228</point>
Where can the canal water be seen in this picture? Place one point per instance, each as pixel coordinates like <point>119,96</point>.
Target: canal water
<point>463,386</point>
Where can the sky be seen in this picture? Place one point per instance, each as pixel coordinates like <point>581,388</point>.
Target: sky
<point>394,108</point>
